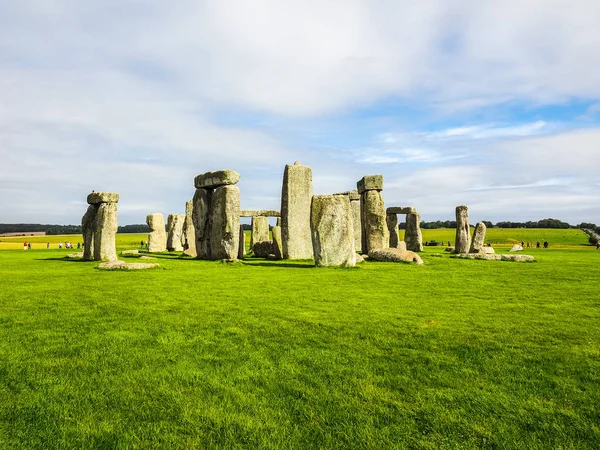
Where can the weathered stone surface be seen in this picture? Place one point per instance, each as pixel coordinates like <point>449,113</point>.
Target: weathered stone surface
<point>130,253</point>
<point>225,222</point>
<point>262,249</point>
<point>375,233</point>
<point>494,257</point>
<point>488,250</point>
<point>95,198</point>
<point>450,249</point>
<point>356,224</point>
<point>277,242</point>
<point>242,244</point>
<point>188,238</point>
<point>259,212</point>
<point>478,241</point>
<point>122,265</point>
<point>296,195</point>
<point>332,231</point>
<point>105,230</point>
<point>212,180</point>
<point>462,243</point>
<point>260,230</point>
<point>87,227</point>
<point>401,210</point>
<point>358,258</point>
<point>200,218</point>
<point>516,248</point>
<point>175,232</point>
<point>157,238</point>
<point>370,183</point>
<point>392,224</point>
<point>394,255</point>
<point>77,255</point>
<point>352,195</point>
<point>412,233</point>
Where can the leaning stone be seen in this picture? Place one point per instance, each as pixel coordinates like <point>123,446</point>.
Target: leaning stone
<point>296,195</point>
<point>175,232</point>
<point>516,248</point>
<point>95,198</point>
<point>477,243</point>
<point>188,238</point>
<point>277,244</point>
<point>260,230</point>
<point>242,244</point>
<point>262,249</point>
<point>394,255</point>
<point>462,242</point>
<point>212,180</point>
<point>105,230</point>
<point>392,224</point>
<point>157,238</point>
<point>412,234</point>
<point>331,231</point>
<point>375,233</point>
<point>370,183</point>
<point>200,217</point>
<point>87,227</point>
<point>259,212</point>
<point>225,223</point>
<point>401,210</point>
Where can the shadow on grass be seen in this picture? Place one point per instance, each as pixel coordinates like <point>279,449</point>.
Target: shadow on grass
<point>266,263</point>
<point>67,259</point>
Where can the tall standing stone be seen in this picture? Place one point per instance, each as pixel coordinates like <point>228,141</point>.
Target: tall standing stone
<point>188,239</point>
<point>242,243</point>
<point>175,232</point>
<point>392,224</point>
<point>200,217</point>
<point>462,242</point>
<point>296,195</point>
<point>277,243</point>
<point>157,238</point>
<point>412,234</point>
<point>225,222</point>
<point>332,231</point>
<point>88,222</point>
<point>105,232</point>
<point>375,232</point>
<point>478,241</point>
<point>260,230</point>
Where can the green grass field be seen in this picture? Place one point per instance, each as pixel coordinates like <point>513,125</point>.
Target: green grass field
<point>263,354</point>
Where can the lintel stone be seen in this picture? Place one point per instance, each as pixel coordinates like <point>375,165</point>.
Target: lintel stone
<point>95,198</point>
<point>370,183</point>
<point>401,210</point>
<point>259,213</point>
<point>211,180</point>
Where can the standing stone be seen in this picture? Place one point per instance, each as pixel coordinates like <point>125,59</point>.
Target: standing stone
<point>242,244</point>
<point>462,242</point>
<point>260,230</point>
<point>175,232</point>
<point>296,195</point>
<point>375,233</point>
<point>277,244</point>
<point>412,234</point>
<point>88,222</point>
<point>331,231</point>
<point>157,239</point>
<point>188,238</point>
<point>392,224</point>
<point>355,208</point>
<point>478,241</point>
<point>105,232</point>
<point>200,218</point>
<point>225,222</point>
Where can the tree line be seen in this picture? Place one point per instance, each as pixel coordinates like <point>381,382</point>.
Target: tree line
<point>52,229</point>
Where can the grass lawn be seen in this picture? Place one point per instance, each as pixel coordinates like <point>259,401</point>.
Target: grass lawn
<point>262,354</point>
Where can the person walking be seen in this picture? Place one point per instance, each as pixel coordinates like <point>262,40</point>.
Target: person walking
<point>48,245</point>
<point>25,245</point>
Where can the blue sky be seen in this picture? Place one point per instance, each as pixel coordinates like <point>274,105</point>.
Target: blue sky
<point>495,105</point>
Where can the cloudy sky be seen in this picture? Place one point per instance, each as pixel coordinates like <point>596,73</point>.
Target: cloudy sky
<point>495,105</point>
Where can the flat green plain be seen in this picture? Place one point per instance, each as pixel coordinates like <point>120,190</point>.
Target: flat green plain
<point>264,354</point>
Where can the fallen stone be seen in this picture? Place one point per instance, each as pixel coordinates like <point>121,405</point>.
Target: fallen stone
<point>516,248</point>
<point>259,212</point>
<point>122,265</point>
<point>359,258</point>
<point>77,255</point>
<point>262,249</point>
<point>331,231</point>
<point>370,183</point>
<point>494,257</point>
<point>401,210</point>
<point>394,255</point>
<point>450,249</point>
<point>95,198</point>
<point>130,252</point>
<point>212,180</point>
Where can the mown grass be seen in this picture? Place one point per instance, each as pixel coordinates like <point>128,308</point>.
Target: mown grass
<point>452,354</point>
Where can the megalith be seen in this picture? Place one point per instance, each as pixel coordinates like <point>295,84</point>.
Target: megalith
<point>175,232</point>
<point>242,243</point>
<point>375,232</point>
<point>392,224</point>
<point>354,198</point>
<point>412,234</point>
<point>188,238</point>
<point>296,195</point>
<point>216,215</point>
<point>260,230</point>
<point>462,242</point>
<point>277,244</point>
<point>157,238</point>
<point>478,241</point>
<point>99,225</point>
<point>332,231</point>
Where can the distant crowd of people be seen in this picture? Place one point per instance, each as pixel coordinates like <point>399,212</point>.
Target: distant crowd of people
<point>27,245</point>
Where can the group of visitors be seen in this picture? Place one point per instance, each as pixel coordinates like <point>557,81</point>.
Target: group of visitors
<point>537,244</point>
<point>26,245</point>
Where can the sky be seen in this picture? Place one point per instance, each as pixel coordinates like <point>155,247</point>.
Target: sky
<point>494,105</point>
